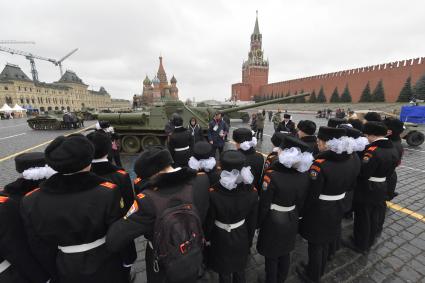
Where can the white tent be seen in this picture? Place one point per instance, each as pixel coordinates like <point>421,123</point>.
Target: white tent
<point>18,108</point>
<point>6,108</point>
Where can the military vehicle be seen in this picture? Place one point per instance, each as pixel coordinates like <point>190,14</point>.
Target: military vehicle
<point>139,130</point>
<point>87,114</point>
<point>411,133</point>
<point>52,120</point>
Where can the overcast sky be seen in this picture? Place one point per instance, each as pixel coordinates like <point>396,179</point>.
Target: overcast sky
<point>204,42</point>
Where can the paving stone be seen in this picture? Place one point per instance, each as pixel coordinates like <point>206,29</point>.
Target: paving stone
<point>409,274</point>
<point>394,262</point>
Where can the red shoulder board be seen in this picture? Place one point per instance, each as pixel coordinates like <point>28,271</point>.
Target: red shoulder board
<point>108,185</point>
<point>122,172</point>
<point>320,160</point>
<point>315,167</point>
<point>3,199</point>
<point>140,196</point>
<point>372,148</point>
<point>33,191</point>
<point>137,180</point>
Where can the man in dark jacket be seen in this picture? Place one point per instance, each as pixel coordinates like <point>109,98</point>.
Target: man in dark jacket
<point>17,263</point>
<point>33,169</point>
<point>378,163</point>
<point>232,218</point>
<point>246,143</point>
<point>331,174</point>
<point>141,218</point>
<point>306,130</point>
<point>286,126</point>
<point>217,131</point>
<point>179,143</point>
<point>68,217</point>
<point>285,185</point>
<point>103,168</point>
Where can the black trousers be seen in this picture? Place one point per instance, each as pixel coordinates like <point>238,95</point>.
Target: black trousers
<point>277,268</point>
<point>366,221</point>
<point>260,133</point>
<point>317,258</point>
<point>117,158</point>
<point>214,150</point>
<point>235,277</point>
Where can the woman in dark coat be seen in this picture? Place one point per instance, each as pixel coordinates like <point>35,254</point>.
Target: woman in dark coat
<point>283,191</point>
<point>232,218</point>
<point>195,131</point>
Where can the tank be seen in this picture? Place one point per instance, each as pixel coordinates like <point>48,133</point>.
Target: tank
<point>87,114</point>
<point>52,120</point>
<point>412,133</point>
<point>139,130</point>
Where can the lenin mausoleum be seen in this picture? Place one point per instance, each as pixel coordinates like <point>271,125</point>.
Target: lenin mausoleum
<point>255,73</point>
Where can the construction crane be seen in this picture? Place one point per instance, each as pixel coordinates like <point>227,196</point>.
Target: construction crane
<point>59,63</point>
<point>30,57</point>
<point>16,42</point>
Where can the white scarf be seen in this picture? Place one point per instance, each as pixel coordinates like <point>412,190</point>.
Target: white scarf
<point>246,145</point>
<point>38,173</point>
<point>231,179</point>
<point>202,164</point>
<point>294,158</point>
<point>347,144</point>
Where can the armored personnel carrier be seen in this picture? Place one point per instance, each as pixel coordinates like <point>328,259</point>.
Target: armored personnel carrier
<point>53,120</point>
<point>139,130</point>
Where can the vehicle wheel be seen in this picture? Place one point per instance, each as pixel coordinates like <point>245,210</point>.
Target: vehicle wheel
<point>130,144</point>
<point>148,141</point>
<point>415,138</point>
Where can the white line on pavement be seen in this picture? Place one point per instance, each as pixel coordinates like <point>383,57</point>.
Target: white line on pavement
<point>414,169</point>
<point>12,136</point>
<point>423,151</point>
<point>13,126</point>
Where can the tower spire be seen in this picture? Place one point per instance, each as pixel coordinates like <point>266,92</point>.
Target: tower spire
<point>256,28</point>
<point>162,76</point>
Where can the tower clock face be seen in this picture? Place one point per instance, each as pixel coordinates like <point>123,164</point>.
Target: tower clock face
<point>259,53</point>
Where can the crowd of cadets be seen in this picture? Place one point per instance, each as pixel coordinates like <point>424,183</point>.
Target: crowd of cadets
<point>72,216</point>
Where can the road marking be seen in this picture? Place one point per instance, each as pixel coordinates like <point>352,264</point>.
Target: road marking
<point>415,150</point>
<point>13,126</point>
<point>5,138</point>
<point>409,212</point>
<point>39,145</point>
<point>414,169</point>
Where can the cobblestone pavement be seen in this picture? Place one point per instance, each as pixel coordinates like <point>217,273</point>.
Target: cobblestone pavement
<point>398,255</point>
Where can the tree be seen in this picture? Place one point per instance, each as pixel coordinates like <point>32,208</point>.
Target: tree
<point>420,88</point>
<point>346,96</point>
<point>321,98</point>
<point>406,92</point>
<point>313,98</point>
<point>366,95</point>
<point>378,94</point>
<point>334,96</point>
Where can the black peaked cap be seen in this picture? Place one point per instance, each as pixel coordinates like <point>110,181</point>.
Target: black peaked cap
<point>29,160</point>
<point>232,159</point>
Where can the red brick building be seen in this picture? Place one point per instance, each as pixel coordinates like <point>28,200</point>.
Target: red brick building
<point>255,73</point>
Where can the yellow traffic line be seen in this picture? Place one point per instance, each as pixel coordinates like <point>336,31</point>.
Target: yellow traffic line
<point>391,205</point>
<point>39,145</point>
<point>409,212</point>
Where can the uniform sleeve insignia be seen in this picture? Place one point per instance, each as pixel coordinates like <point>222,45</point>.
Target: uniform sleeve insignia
<point>122,172</point>
<point>133,209</point>
<point>108,185</point>
<point>320,160</point>
<point>31,192</point>
<point>315,168</point>
<point>121,203</point>
<point>372,148</point>
<point>137,180</point>
<point>366,159</point>
<point>313,174</point>
<point>3,199</point>
<point>140,196</point>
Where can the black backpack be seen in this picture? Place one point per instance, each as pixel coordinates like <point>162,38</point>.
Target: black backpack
<point>178,238</point>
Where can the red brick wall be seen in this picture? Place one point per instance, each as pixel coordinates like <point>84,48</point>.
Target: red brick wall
<point>256,77</point>
<point>241,91</point>
<point>393,75</point>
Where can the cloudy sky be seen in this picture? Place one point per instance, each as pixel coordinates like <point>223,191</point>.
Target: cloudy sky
<point>204,42</point>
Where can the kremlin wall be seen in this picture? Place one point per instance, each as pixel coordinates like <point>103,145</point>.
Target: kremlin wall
<point>255,77</point>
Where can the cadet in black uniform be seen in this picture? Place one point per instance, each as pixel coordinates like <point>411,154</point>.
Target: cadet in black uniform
<point>203,161</point>
<point>33,170</point>
<point>306,130</point>
<point>246,143</point>
<point>284,187</point>
<point>286,126</point>
<point>232,218</point>
<point>17,263</point>
<point>331,174</point>
<point>276,140</point>
<point>103,168</point>
<point>174,184</point>
<point>179,143</point>
<point>335,122</point>
<point>378,162</point>
<point>68,217</point>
